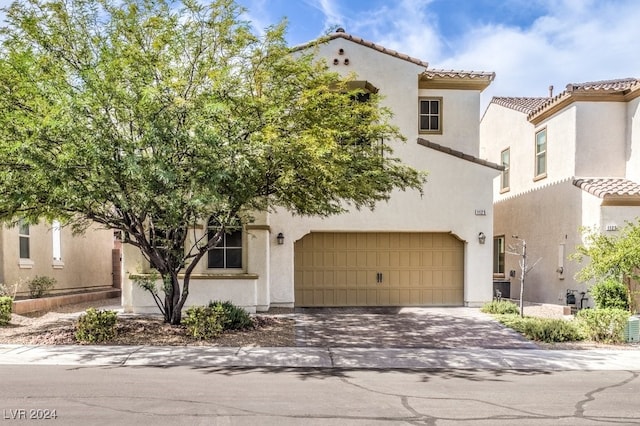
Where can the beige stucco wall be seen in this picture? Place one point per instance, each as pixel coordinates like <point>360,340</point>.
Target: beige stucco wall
<point>600,130</point>
<point>548,231</point>
<point>86,259</point>
<point>503,128</point>
<point>633,140</point>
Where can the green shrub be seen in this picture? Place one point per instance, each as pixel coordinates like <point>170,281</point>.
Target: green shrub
<point>40,286</point>
<point>96,326</point>
<point>501,307</point>
<point>610,293</point>
<point>204,322</point>
<point>604,325</point>
<point>6,306</point>
<point>548,330</point>
<point>235,317</point>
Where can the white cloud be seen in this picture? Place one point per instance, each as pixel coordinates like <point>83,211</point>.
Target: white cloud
<point>405,26</point>
<point>574,42</point>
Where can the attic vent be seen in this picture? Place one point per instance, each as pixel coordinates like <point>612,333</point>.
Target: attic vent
<point>340,30</point>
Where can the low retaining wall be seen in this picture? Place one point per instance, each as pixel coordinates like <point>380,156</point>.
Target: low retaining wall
<point>49,303</point>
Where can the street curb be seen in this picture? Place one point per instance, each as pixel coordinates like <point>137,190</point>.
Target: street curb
<point>314,357</point>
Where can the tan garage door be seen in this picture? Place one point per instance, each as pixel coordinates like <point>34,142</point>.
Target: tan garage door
<point>379,269</point>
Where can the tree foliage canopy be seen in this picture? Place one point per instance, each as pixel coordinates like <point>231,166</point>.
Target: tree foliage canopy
<point>610,256</point>
<point>151,116</point>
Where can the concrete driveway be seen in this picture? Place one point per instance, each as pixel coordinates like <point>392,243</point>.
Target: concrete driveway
<point>434,328</point>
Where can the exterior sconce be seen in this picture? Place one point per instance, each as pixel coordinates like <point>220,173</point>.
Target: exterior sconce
<point>482,238</point>
<point>280,238</point>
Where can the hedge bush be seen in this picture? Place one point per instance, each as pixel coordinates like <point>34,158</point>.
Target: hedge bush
<point>234,317</point>
<point>96,326</point>
<point>41,286</point>
<point>501,307</point>
<point>204,322</point>
<point>604,325</point>
<point>6,306</point>
<point>548,330</point>
<point>610,293</point>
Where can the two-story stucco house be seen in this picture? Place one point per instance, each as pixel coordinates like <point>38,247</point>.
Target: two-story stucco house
<point>410,251</point>
<point>571,161</point>
<point>77,262</point>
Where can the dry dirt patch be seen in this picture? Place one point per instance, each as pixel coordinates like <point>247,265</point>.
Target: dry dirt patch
<point>58,328</point>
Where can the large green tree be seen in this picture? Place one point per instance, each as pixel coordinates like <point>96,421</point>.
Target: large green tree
<point>150,117</point>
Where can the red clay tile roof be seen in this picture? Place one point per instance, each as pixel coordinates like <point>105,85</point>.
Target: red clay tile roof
<point>431,73</point>
<point>604,87</point>
<point>525,105</point>
<point>458,154</point>
<point>609,187</point>
<point>341,34</point>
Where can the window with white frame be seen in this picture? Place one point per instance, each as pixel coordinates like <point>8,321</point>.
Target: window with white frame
<point>505,158</point>
<point>498,255</point>
<point>56,237</point>
<point>541,154</point>
<point>430,115</point>
<point>227,254</point>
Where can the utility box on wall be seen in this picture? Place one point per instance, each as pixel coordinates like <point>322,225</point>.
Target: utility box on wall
<point>504,287</point>
<point>632,330</point>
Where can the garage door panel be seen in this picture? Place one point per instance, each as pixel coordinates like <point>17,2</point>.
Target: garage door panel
<point>344,269</point>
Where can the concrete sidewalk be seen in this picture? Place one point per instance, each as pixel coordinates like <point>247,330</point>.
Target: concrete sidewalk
<point>315,357</point>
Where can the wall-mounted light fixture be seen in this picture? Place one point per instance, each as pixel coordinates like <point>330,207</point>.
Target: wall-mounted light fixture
<point>280,238</point>
<point>482,238</point>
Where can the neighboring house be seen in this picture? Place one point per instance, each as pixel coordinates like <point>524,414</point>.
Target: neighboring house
<point>571,161</point>
<point>77,262</point>
<point>410,251</point>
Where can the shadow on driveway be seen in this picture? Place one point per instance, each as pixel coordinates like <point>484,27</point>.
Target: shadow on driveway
<point>434,328</point>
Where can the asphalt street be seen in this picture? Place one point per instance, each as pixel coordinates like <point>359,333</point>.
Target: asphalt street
<point>183,395</point>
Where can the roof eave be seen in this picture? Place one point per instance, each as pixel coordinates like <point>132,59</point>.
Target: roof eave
<point>567,98</point>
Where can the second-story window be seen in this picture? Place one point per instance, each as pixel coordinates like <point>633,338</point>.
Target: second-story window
<point>541,154</point>
<point>430,115</point>
<point>505,158</point>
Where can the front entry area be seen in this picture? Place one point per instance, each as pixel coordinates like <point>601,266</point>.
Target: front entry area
<point>379,269</point>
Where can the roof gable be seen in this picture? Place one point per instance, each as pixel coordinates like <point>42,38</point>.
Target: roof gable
<point>430,78</point>
<point>340,33</point>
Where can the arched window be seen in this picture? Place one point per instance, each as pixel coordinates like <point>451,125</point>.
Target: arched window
<point>228,253</point>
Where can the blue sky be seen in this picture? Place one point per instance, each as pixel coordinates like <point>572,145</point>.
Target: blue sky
<point>529,44</point>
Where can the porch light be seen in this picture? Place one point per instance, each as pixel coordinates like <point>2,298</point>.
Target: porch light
<point>482,238</point>
<point>280,238</point>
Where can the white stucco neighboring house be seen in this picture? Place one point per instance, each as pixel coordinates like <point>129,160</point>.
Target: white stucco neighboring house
<point>410,251</point>
<point>571,161</point>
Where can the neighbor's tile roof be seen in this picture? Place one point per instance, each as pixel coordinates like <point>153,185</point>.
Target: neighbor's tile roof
<point>609,187</point>
<point>620,86</point>
<point>604,85</point>
<point>525,105</point>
